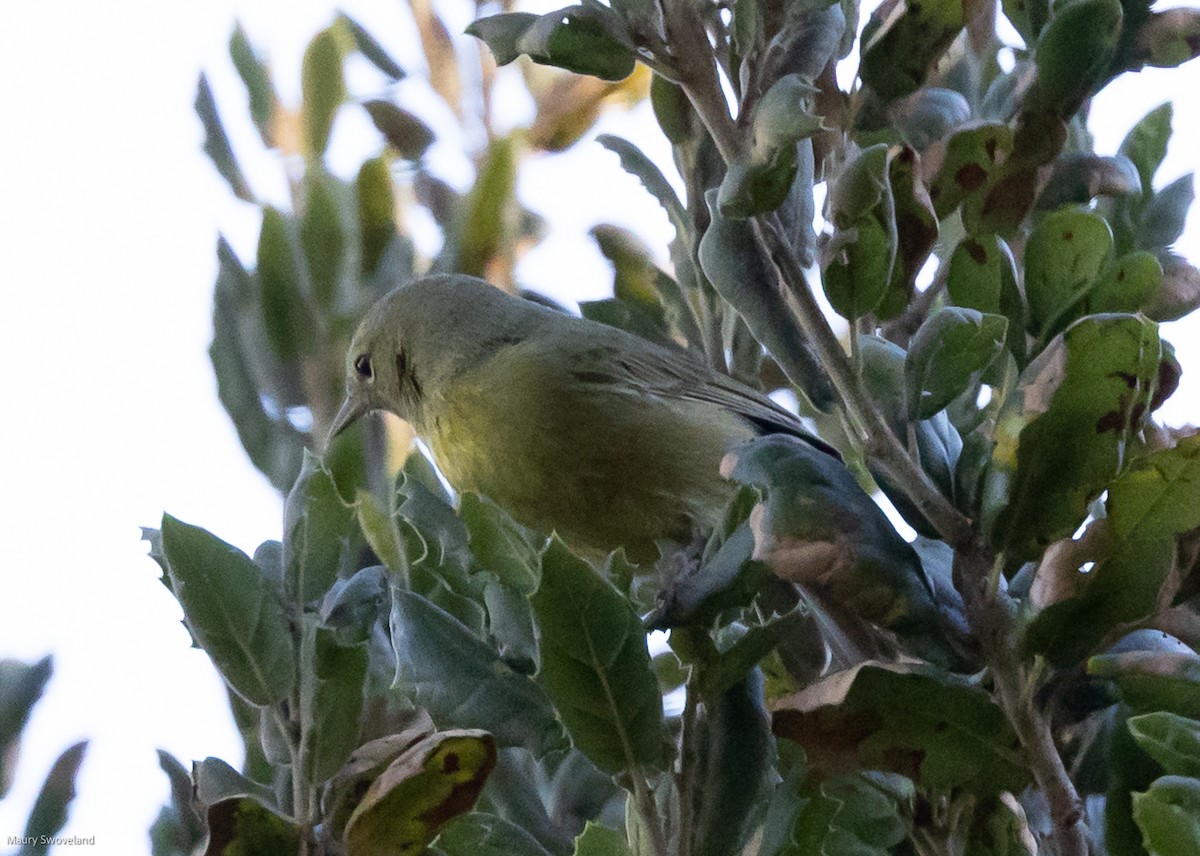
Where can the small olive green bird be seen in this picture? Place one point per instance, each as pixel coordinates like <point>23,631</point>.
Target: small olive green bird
<point>568,424</point>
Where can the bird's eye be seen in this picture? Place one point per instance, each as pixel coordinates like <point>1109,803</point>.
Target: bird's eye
<point>362,365</point>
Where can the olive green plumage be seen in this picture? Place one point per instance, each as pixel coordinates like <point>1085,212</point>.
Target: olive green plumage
<point>567,424</point>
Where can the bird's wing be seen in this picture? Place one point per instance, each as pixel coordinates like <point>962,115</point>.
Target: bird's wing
<point>650,369</point>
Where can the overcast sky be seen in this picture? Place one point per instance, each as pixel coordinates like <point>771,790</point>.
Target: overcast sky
<point>108,220</point>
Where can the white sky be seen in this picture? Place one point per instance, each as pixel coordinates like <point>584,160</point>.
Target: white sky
<point>108,219</point>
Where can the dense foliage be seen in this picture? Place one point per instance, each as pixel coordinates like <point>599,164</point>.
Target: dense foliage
<point>414,672</point>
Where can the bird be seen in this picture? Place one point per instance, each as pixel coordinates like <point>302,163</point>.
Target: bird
<point>571,426</point>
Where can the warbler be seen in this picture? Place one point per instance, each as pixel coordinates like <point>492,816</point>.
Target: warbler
<point>570,425</point>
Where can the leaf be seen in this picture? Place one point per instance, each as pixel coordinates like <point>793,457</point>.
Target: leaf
<point>376,223</point>
<point>1146,144</point>
<point>216,142</point>
<point>971,162</point>
<point>316,533</point>
<point>730,259</point>
<point>462,681</point>
<point>331,701</point>
<point>501,545</point>
<point>481,834</point>
<point>231,611</point>
<point>947,355</point>
<point>352,606</point>
<point>1180,291</point>
<point>1165,214</point>
<point>929,115</point>
<point>1073,55</point>
<point>178,828</point>
<point>817,527</point>
<point>502,33</point>
<point>286,315</point>
<point>1127,285</point>
<point>733,769</point>
<point>1168,39</point>
<point>596,840</point>
<point>1155,500</point>
<point>902,43</point>
<point>1171,740</point>
<point>595,665</point>
<point>323,89</point>
<point>483,225</point>
<point>740,658</point>
<point>1153,680</point>
<point>635,162</point>
<point>323,236</point>
<point>587,39</point>
<point>370,48</point>
<point>273,444</point>
<point>345,790</point>
<point>1063,257</point>
<point>1078,178</point>
<point>21,685</point>
<point>983,276</point>
<point>1169,816</point>
<point>49,812</point>
<point>245,825</point>
<point>916,231</point>
<point>407,134</point>
<point>855,813</point>
<point>430,784</point>
<point>939,730</point>
<point>257,79</point>
<point>214,781</point>
<point>1091,397</point>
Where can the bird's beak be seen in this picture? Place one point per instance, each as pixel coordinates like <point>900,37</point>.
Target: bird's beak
<point>352,408</point>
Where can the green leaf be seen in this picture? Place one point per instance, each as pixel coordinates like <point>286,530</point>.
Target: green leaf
<point>1073,55</point>
<point>1171,740</point>
<point>1165,214</point>
<point>178,828</point>
<point>462,681</point>
<point>1146,144</point>
<point>635,162</point>
<point>323,235</point>
<point>947,355</point>
<point>246,825</point>
<point>597,840</point>
<point>370,48</point>
<point>982,275</point>
<point>331,701</point>
<point>901,44</point>
<point>483,222</point>
<point>257,78</point>
<point>232,612</point>
<point>316,533</point>
<point>1127,285</point>
<point>757,186</point>
<point>480,834</point>
<point>433,782</point>
<point>584,39</point>
<point>216,142</point>
<point>972,160</point>
<point>353,605</point>
<point>1153,680</point>
<point>939,730</point>
<point>820,529</point>
<point>734,751</point>
<point>287,317</point>
<point>1157,499</point>
<point>1168,39</point>
<point>929,115</point>
<point>916,231</point>
<point>21,685</point>
<point>502,33</point>
<point>1169,816</point>
<point>856,813</point>
<point>407,134</point>
<point>1088,397</point>
<point>500,545</point>
<point>740,658</point>
<point>273,444</point>
<point>214,780</point>
<point>595,665</point>
<point>730,259</point>
<point>49,811</point>
<point>1063,257</point>
<point>376,203</point>
<point>323,88</point>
